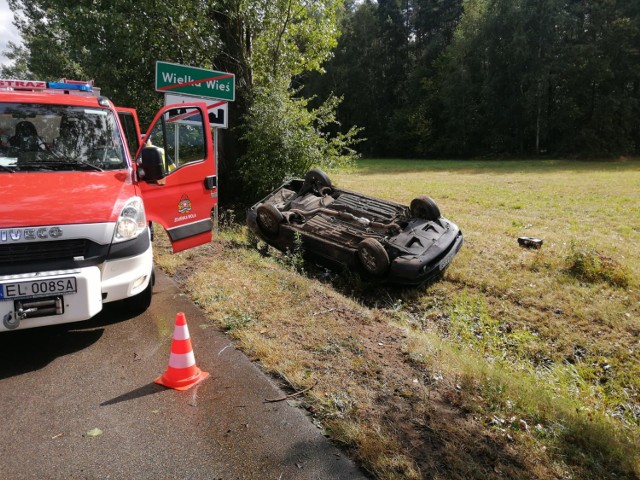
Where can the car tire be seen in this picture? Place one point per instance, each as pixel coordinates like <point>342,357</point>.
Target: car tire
<point>269,219</point>
<point>373,257</point>
<point>317,180</point>
<point>425,208</point>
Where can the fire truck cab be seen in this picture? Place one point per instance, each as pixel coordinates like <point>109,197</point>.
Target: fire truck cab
<point>81,187</point>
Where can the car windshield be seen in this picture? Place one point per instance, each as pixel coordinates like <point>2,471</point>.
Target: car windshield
<point>39,137</point>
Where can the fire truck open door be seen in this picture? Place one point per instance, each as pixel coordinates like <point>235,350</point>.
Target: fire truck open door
<point>179,186</point>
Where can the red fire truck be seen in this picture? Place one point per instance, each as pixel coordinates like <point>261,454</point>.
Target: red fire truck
<point>80,187</point>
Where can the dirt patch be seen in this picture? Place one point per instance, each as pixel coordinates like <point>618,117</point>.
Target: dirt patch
<point>425,413</point>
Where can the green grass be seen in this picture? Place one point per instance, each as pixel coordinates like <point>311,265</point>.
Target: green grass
<point>517,364</point>
<point>564,318</point>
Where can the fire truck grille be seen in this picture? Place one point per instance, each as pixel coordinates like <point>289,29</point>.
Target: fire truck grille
<point>25,253</point>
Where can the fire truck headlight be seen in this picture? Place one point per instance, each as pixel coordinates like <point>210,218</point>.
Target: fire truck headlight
<point>132,220</point>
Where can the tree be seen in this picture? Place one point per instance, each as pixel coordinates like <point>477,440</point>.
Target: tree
<point>46,50</point>
<point>285,138</point>
<point>19,67</point>
<point>368,69</point>
<point>115,42</point>
<point>528,76</point>
<point>384,66</point>
<point>351,72</point>
<point>270,43</point>
<point>265,43</point>
<point>478,77</point>
<point>595,99</point>
<point>433,23</point>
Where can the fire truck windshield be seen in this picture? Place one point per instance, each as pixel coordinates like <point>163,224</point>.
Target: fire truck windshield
<point>42,137</point>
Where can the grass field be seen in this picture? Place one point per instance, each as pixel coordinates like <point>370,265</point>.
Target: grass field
<point>517,364</point>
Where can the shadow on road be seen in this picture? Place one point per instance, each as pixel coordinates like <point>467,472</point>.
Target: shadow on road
<point>148,389</point>
<point>28,350</point>
<point>24,351</point>
<point>111,314</point>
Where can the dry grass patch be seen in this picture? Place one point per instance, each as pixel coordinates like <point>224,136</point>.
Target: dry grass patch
<point>518,364</point>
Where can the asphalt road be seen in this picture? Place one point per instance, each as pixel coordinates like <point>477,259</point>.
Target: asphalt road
<point>79,402</point>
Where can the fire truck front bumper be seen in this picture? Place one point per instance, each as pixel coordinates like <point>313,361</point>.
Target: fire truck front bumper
<point>64,296</point>
<point>49,298</point>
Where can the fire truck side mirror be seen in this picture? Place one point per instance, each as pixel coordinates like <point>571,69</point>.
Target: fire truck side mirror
<point>151,165</point>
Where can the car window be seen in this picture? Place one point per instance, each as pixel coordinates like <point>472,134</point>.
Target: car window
<point>180,136</point>
<point>129,127</point>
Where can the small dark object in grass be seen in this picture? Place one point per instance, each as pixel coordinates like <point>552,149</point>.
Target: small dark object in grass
<point>530,242</point>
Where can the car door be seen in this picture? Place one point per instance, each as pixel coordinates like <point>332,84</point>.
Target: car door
<point>182,201</point>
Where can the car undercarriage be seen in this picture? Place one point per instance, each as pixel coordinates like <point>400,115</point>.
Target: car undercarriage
<point>382,239</point>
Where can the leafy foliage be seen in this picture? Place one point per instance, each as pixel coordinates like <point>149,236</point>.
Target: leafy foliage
<point>116,43</point>
<point>285,139</point>
<point>291,37</point>
<point>478,77</point>
<point>536,76</point>
<point>589,265</point>
<point>423,77</point>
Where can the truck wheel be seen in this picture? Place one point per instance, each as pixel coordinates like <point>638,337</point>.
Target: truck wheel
<point>373,257</point>
<point>269,219</point>
<point>424,207</point>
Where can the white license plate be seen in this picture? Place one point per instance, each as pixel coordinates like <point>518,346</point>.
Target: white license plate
<point>38,288</point>
<point>447,260</point>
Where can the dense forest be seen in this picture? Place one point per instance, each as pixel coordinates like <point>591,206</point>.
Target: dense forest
<point>319,79</point>
<point>488,77</point>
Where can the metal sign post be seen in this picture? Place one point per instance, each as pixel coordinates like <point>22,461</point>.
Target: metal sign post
<point>215,152</point>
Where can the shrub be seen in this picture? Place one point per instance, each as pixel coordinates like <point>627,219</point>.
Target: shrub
<point>589,265</point>
<point>285,139</point>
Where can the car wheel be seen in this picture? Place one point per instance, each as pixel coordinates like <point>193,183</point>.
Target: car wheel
<point>317,180</point>
<point>373,257</point>
<point>269,219</point>
<point>424,207</point>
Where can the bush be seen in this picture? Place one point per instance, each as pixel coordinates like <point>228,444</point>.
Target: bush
<point>285,139</point>
<point>589,265</point>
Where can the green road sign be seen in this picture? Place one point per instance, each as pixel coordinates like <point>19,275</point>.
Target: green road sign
<point>184,80</point>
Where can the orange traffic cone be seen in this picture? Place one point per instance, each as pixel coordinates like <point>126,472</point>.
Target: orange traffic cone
<point>182,372</point>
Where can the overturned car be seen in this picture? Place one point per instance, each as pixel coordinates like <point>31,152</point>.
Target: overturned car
<point>404,245</point>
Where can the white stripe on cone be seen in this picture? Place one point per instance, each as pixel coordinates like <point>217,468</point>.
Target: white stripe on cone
<point>182,360</point>
<point>181,332</point>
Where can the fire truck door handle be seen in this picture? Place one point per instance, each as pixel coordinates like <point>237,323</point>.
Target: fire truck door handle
<point>210,182</point>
